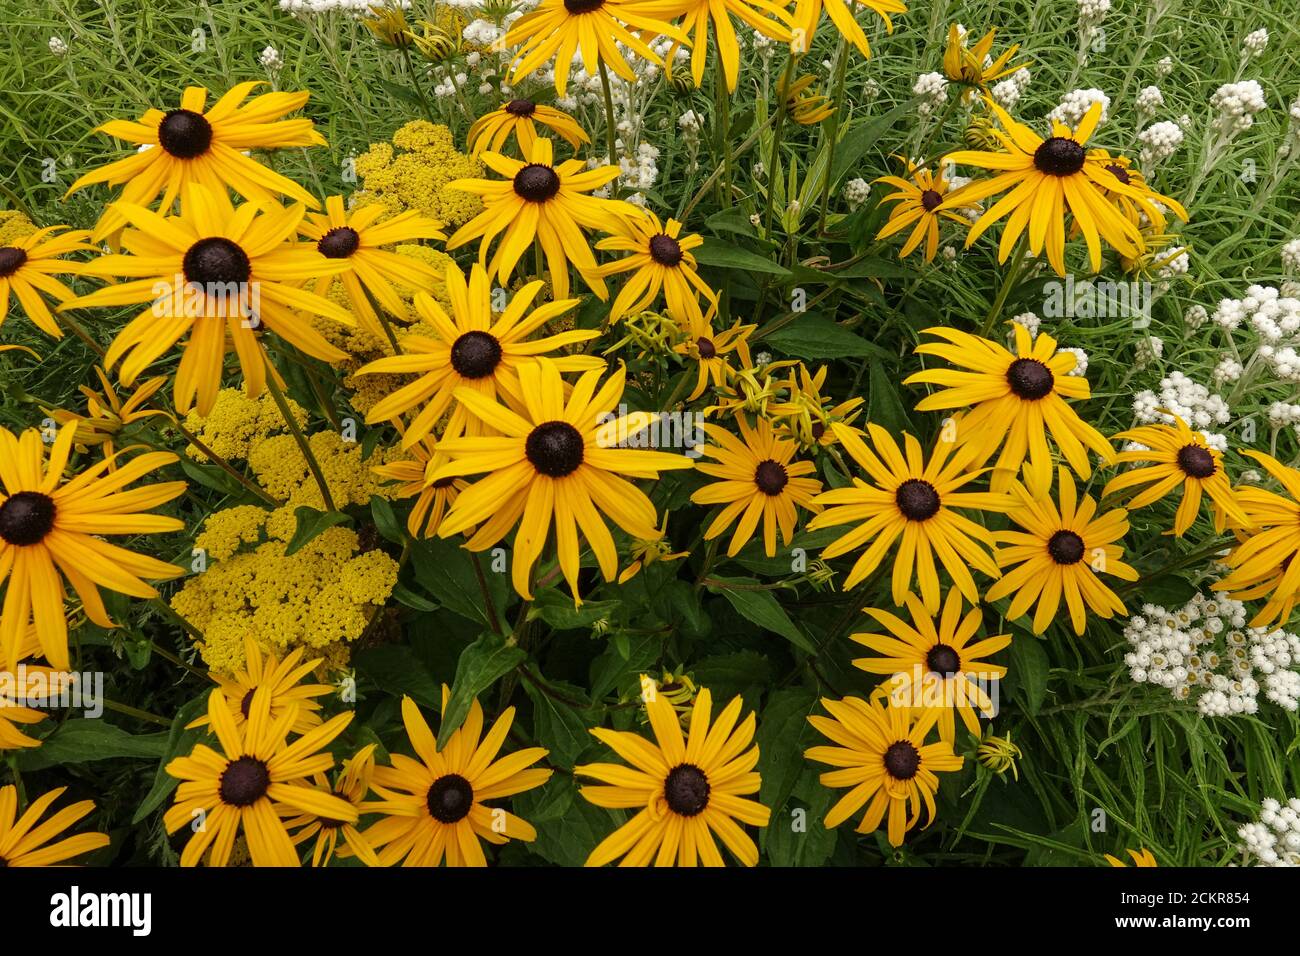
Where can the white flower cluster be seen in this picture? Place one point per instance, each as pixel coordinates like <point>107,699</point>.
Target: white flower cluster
<point>1273,840</point>
<point>1227,370</point>
<point>1205,649</point>
<point>271,59</point>
<point>1080,363</point>
<point>1148,350</point>
<point>1077,103</point>
<point>58,47</point>
<point>1164,66</point>
<point>1150,100</point>
<point>1275,319</point>
<point>1255,42</point>
<point>1237,104</point>
<point>1282,414</point>
<point>1031,322</point>
<point>1195,316</point>
<point>1190,401</point>
<point>1091,13</point>
<point>691,124</point>
<point>856,192</point>
<point>1291,256</point>
<point>932,88</point>
<point>639,172</point>
<point>1008,92</point>
<point>1159,142</point>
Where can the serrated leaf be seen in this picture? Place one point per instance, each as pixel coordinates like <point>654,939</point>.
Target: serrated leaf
<point>760,607</point>
<point>446,572</point>
<point>558,725</point>
<point>817,337</point>
<point>725,255</point>
<point>479,666</point>
<point>83,740</point>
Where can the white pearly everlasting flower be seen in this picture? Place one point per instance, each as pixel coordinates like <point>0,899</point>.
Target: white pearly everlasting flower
<point>1195,316</point>
<point>1008,91</point>
<point>856,192</point>
<point>1237,104</point>
<point>270,59</point>
<point>1076,105</point>
<point>1165,66</point>
<point>1255,42</point>
<point>932,88</point>
<point>1081,361</point>
<point>1274,839</point>
<point>1149,100</point>
<point>1189,400</point>
<point>1227,370</point>
<point>1291,256</point>
<point>58,47</point>
<point>1148,350</point>
<point>1029,321</point>
<point>1159,142</point>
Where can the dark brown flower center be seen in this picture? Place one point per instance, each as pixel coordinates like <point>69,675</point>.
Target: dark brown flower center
<point>185,134</point>
<point>444,483</point>
<point>244,782</point>
<point>450,798</point>
<point>943,660</point>
<point>554,448</point>
<point>339,243</point>
<point>1030,379</point>
<point>1059,156</point>
<point>26,518</point>
<point>475,355</point>
<point>686,790</point>
<point>770,477</point>
<point>11,260</point>
<point>536,183</point>
<point>583,6</point>
<point>930,200</point>
<point>665,250</point>
<point>1196,461</point>
<point>902,760</point>
<point>521,107</point>
<point>1065,547</point>
<point>707,349</point>
<point>246,704</point>
<point>216,261</point>
<point>1119,172</point>
<point>917,499</point>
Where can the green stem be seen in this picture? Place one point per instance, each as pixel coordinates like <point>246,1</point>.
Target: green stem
<point>722,121</point>
<point>611,125</point>
<point>1008,282</point>
<point>774,153</point>
<point>135,712</point>
<point>833,127</point>
<point>489,608</point>
<point>415,82</point>
<point>277,395</point>
<point>224,465</point>
<point>80,332</point>
<point>740,150</point>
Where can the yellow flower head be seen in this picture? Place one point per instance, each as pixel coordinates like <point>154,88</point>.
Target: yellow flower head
<point>919,204</point>
<point>765,17</point>
<point>28,265</point>
<point>843,14</point>
<point>973,65</point>
<point>660,259</point>
<point>25,841</point>
<point>521,117</point>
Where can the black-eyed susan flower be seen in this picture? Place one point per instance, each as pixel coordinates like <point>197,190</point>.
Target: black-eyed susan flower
<point>25,840</point>
<point>220,275</point>
<point>1264,562</point>
<point>919,205</point>
<point>352,783</point>
<point>843,14</point>
<point>107,414</point>
<point>51,526</point>
<point>999,754</point>
<point>1176,456</point>
<point>804,107</point>
<point>975,65</point>
<point>357,238</point>
<point>765,17</point>
<point>194,145</point>
<point>475,349</point>
<point>1017,401</point>
<point>1143,857</point>
<point>522,117</point>
<point>558,461</point>
<point>435,807</point>
<point>758,481</point>
<point>1047,179</point>
<point>555,30</point>
<point>883,757</point>
<point>539,200</point>
<point>256,780</point>
<point>914,502</point>
<point>659,259</point>
<point>806,414</point>
<point>1060,553</point>
<point>686,790</point>
<point>936,661</point>
<point>282,680</point>
<point>28,265</point>
<point>712,352</point>
<point>432,498</point>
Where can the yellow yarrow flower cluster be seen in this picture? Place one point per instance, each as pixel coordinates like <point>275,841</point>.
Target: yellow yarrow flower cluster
<point>237,422</point>
<point>282,470</point>
<point>412,172</point>
<point>322,597</point>
<point>14,225</point>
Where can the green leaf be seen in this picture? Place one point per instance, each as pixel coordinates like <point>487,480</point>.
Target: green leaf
<point>480,666</point>
<point>210,476</point>
<point>797,835</point>
<point>396,670</point>
<point>385,519</point>
<point>817,337</point>
<point>556,609</point>
<point>179,741</point>
<point>566,837</point>
<point>446,572</point>
<point>729,674</point>
<point>560,726</point>
<point>83,740</point>
<point>310,524</point>
<point>1029,664</point>
<point>724,255</point>
<point>883,405</point>
<point>612,667</point>
<point>862,137</point>
<point>760,607</point>
<point>780,756</point>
